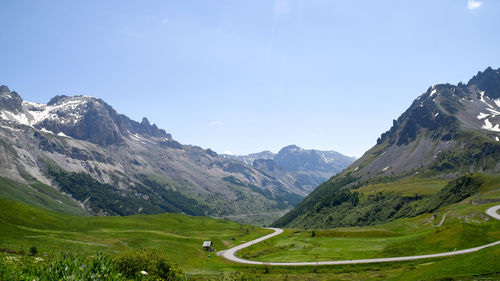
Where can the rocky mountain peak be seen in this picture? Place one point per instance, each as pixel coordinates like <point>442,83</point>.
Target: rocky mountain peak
<point>10,101</point>
<point>436,121</point>
<point>292,148</point>
<point>293,158</point>
<point>487,81</point>
<point>63,99</point>
<point>114,165</point>
<point>145,122</point>
<point>57,99</point>
<point>444,108</point>
<point>4,90</point>
<point>80,117</point>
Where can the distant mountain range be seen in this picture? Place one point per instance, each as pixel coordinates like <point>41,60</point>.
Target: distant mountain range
<point>300,167</point>
<point>77,153</point>
<point>447,133</point>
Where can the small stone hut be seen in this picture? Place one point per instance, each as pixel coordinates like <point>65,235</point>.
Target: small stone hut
<point>207,245</point>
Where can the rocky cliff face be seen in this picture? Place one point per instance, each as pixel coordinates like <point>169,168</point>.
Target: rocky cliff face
<point>80,117</point>
<point>444,119</point>
<point>80,139</point>
<point>303,168</point>
<point>449,131</point>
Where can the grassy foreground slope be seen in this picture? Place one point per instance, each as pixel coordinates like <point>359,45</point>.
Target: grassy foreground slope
<point>180,236</point>
<point>458,225</point>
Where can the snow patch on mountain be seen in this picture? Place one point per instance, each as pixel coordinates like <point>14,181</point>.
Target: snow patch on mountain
<point>488,126</point>
<point>433,92</point>
<point>494,112</point>
<point>61,134</point>
<point>34,113</point>
<point>482,115</point>
<point>46,131</point>
<point>483,100</point>
<point>41,112</point>
<point>18,118</point>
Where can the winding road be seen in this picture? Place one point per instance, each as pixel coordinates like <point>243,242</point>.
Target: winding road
<point>230,253</point>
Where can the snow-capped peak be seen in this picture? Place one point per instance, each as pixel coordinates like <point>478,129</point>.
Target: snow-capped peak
<point>67,110</point>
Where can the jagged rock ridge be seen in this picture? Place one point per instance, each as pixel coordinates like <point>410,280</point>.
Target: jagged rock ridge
<point>73,140</point>
<point>301,167</point>
<point>448,132</point>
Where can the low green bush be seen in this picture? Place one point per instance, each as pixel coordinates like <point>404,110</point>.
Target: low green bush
<point>131,265</point>
<point>33,251</point>
<point>147,263</point>
<point>62,267</point>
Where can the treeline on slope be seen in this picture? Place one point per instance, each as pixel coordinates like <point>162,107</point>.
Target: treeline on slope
<point>102,198</point>
<point>341,207</point>
<point>476,152</point>
<point>329,192</point>
<point>283,198</point>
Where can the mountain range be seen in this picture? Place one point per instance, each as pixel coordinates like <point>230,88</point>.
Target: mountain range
<point>298,166</point>
<point>77,154</point>
<point>447,134</point>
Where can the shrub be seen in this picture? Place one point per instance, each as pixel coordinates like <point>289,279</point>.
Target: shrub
<point>147,263</point>
<point>33,251</point>
<point>62,267</point>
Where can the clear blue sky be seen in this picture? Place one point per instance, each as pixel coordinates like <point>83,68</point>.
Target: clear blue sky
<point>246,76</point>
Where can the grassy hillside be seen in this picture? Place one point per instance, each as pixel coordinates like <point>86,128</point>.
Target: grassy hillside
<point>459,226</point>
<point>330,205</point>
<point>40,195</point>
<point>180,237</point>
<point>456,225</point>
<point>406,187</point>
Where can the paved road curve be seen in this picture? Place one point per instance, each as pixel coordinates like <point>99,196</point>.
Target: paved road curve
<point>493,212</point>
<point>230,253</point>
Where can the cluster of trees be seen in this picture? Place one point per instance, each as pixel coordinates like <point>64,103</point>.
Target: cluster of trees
<point>284,198</point>
<point>477,152</point>
<point>341,207</point>
<point>147,196</point>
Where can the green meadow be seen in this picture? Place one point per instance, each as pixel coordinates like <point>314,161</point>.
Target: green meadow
<point>406,187</point>
<point>178,235</point>
<point>40,195</point>
<point>405,237</point>
<point>457,226</point>
<point>454,227</point>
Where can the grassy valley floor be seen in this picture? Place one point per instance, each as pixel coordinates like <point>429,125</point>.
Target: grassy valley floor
<point>180,236</point>
<point>445,231</point>
<point>457,226</point>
